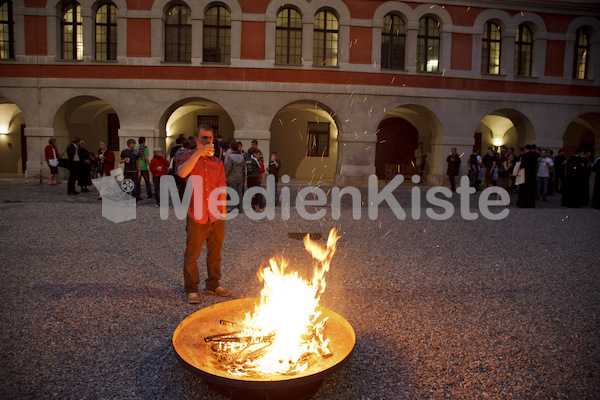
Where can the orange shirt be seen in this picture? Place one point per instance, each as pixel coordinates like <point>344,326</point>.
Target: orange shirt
<point>212,172</point>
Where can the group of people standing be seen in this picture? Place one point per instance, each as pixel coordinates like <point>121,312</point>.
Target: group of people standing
<point>82,164</point>
<point>533,174</point>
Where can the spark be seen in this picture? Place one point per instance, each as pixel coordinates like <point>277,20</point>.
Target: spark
<point>431,7</point>
<point>386,233</point>
<point>424,230</point>
<point>323,63</point>
<point>393,79</point>
<point>352,94</point>
<point>383,141</point>
<point>377,131</point>
<point>369,147</point>
<point>329,95</point>
<point>461,154</point>
<point>379,224</point>
<point>300,135</point>
<point>468,8</point>
<point>521,13</point>
<point>348,85</point>
<point>347,120</point>
<point>413,163</point>
<point>294,119</point>
<point>374,64</point>
<point>352,103</point>
<point>317,118</point>
<point>280,121</point>
<point>403,85</point>
<point>355,40</point>
<point>444,72</point>
<point>365,99</point>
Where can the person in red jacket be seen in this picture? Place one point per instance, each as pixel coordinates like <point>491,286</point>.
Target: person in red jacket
<point>51,154</point>
<point>159,166</point>
<point>107,159</point>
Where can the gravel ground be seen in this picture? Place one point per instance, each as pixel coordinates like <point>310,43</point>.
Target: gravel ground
<point>452,309</point>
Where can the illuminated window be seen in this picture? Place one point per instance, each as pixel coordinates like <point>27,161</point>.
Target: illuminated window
<point>428,45</point>
<point>393,39</point>
<point>582,53</point>
<point>7,39</point>
<point>106,32</point>
<point>288,37</point>
<point>490,51</point>
<point>325,44</point>
<point>523,51</point>
<point>72,32</point>
<point>178,34</point>
<point>318,139</point>
<point>217,35</point>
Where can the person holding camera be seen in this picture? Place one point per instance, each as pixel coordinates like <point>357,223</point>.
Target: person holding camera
<point>202,226</point>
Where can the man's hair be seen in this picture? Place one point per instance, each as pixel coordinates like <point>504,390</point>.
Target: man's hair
<point>233,146</point>
<point>179,139</point>
<point>129,141</point>
<point>142,140</point>
<point>453,148</point>
<point>157,149</point>
<point>75,140</point>
<point>185,143</point>
<point>102,141</point>
<point>475,149</point>
<point>202,127</point>
<point>51,140</point>
<point>529,147</point>
<point>254,141</point>
<point>252,150</point>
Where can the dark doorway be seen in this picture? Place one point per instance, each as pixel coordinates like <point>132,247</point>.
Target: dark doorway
<point>396,143</point>
<point>23,149</point>
<point>113,132</point>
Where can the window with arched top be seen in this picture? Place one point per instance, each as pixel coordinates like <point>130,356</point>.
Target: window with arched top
<point>491,44</point>
<point>106,32</point>
<point>217,35</point>
<point>523,51</point>
<point>71,32</point>
<point>288,37</point>
<point>428,45</point>
<point>581,54</point>
<point>325,39</point>
<point>7,28</point>
<point>178,33</point>
<point>393,42</point>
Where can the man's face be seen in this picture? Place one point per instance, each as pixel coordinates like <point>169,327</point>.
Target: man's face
<point>255,145</point>
<point>131,145</point>
<point>452,151</point>
<point>205,137</point>
<point>543,153</point>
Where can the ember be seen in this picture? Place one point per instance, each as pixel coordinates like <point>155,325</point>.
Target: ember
<point>285,331</point>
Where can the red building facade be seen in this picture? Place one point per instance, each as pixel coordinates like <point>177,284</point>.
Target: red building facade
<point>337,88</point>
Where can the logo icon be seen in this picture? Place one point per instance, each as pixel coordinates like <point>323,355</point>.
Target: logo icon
<point>117,204</point>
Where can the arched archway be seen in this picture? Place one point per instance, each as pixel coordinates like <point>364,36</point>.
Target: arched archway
<point>182,117</point>
<point>583,132</point>
<point>400,131</point>
<point>504,127</point>
<point>13,146</point>
<point>89,118</point>
<point>304,135</point>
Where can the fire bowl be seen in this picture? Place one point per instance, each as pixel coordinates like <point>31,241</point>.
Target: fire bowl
<point>197,356</point>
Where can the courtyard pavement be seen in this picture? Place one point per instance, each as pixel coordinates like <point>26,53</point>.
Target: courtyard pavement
<point>457,309</point>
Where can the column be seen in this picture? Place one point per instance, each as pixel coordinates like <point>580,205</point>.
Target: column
<point>356,159</point>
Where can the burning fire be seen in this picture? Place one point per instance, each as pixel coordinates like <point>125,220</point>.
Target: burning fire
<point>283,332</point>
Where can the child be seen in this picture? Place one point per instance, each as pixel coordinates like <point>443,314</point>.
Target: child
<point>158,168</point>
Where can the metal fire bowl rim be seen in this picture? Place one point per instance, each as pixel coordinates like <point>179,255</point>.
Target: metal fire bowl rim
<point>268,382</point>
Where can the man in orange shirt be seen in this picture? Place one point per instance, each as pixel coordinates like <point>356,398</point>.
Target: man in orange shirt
<point>202,225</point>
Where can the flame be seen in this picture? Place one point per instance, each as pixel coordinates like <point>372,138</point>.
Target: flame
<point>287,316</point>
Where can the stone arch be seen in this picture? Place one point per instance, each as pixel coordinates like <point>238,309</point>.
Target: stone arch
<point>13,147</point>
<point>399,132</point>
<point>275,6</point>
<point>505,126</point>
<point>290,138</point>
<point>438,13</point>
<point>583,131</point>
<point>337,6</point>
<point>491,15</point>
<point>182,117</point>
<point>386,8</point>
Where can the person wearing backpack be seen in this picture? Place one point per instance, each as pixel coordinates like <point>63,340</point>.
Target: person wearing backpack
<point>235,168</point>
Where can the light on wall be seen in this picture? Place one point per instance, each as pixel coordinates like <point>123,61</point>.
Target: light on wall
<point>497,142</point>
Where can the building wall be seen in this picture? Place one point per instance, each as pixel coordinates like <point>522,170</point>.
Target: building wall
<point>447,107</point>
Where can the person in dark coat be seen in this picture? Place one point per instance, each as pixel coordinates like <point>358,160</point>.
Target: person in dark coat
<point>573,191</point>
<point>453,161</point>
<point>526,197</point>
<point>596,195</point>
<point>559,170</point>
<point>73,165</point>
<point>85,167</point>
